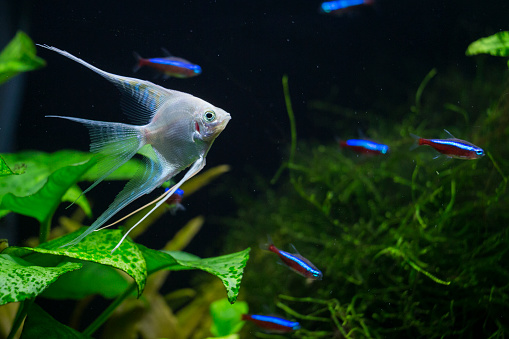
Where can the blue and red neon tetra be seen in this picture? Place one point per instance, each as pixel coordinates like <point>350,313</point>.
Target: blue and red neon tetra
<point>452,147</point>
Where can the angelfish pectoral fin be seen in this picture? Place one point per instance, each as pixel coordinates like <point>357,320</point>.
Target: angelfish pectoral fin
<point>144,182</point>
<point>195,168</point>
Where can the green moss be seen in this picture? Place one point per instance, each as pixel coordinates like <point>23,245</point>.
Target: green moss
<point>408,245</point>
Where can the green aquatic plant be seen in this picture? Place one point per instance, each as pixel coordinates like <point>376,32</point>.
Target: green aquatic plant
<point>409,246</point>
<point>18,56</point>
<point>57,272</point>
<point>496,44</point>
<point>5,170</point>
<point>226,318</point>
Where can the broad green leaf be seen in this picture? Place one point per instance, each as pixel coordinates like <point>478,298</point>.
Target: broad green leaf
<point>74,195</point>
<point>496,44</point>
<point>107,282</point>
<point>21,280</point>
<point>182,256</point>
<point>44,202</point>
<point>40,324</point>
<point>39,166</point>
<point>18,56</point>
<point>5,170</point>
<point>229,268</point>
<point>157,260</point>
<point>96,247</point>
<point>124,172</point>
<point>227,318</point>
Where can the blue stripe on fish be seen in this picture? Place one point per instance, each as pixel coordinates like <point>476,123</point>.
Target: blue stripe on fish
<point>275,320</point>
<point>330,6</point>
<point>179,191</point>
<point>371,145</point>
<point>315,272</point>
<point>456,143</point>
<point>163,61</point>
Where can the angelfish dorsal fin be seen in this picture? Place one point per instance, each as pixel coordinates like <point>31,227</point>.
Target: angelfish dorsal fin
<point>140,99</point>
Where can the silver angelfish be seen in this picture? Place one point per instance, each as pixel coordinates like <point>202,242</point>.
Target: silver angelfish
<point>176,131</point>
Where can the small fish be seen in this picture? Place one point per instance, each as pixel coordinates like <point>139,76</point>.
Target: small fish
<point>343,6</point>
<point>170,66</point>
<point>364,146</point>
<point>175,131</point>
<point>296,262</point>
<point>271,323</point>
<point>175,200</point>
<point>452,147</point>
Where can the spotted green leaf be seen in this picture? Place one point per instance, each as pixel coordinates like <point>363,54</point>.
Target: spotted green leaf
<point>96,247</point>
<point>18,56</point>
<point>229,268</point>
<point>42,204</point>
<point>108,282</point>
<point>157,260</point>
<point>496,44</point>
<point>40,324</point>
<point>5,170</point>
<point>21,280</point>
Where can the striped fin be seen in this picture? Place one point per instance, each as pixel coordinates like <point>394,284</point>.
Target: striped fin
<point>140,99</point>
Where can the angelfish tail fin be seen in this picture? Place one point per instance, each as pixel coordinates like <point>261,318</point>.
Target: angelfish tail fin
<point>115,143</point>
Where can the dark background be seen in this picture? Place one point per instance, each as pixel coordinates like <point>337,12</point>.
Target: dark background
<point>244,48</point>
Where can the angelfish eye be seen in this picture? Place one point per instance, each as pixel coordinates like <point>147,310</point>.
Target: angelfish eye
<point>209,116</point>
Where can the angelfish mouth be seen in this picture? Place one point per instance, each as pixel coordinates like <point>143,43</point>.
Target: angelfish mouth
<point>225,121</point>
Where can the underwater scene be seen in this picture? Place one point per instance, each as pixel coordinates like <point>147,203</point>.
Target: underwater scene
<point>254,169</point>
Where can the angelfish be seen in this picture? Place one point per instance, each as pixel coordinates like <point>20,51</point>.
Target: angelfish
<point>176,131</point>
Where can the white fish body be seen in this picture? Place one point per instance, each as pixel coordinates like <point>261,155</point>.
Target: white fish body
<point>179,128</point>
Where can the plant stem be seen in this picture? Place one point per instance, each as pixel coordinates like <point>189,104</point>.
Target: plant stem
<point>298,315</point>
<point>293,130</point>
<point>45,229</point>
<point>291,117</point>
<point>108,311</point>
<point>24,306</point>
<point>423,84</point>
